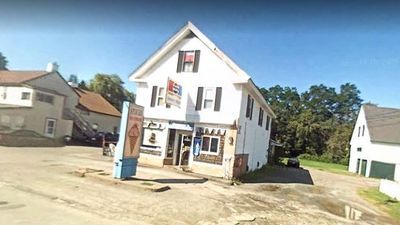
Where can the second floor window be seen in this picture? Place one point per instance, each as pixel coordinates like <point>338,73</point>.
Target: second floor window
<point>45,98</point>
<point>260,117</point>
<point>363,130</point>
<point>267,123</point>
<point>188,61</point>
<point>25,96</point>
<point>249,107</point>
<point>161,96</point>
<point>209,98</point>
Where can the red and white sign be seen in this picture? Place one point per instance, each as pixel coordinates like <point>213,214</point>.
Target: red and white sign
<point>189,57</point>
<point>174,93</point>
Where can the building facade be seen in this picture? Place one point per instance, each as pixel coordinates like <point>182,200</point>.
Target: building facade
<point>36,101</point>
<point>375,143</point>
<point>96,113</point>
<point>202,111</point>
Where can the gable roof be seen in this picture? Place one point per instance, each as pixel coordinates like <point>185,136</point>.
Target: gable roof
<point>96,103</point>
<point>383,123</point>
<point>19,76</point>
<point>186,30</point>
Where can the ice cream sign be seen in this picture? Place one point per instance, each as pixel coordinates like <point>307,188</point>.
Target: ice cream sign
<point>174,93</point>
<point>134,131</point>
<point>128,146</point>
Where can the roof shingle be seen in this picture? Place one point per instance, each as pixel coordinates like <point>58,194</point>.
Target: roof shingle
<point>383,124</point>
<point>96,103</point>
<point>19,76</point>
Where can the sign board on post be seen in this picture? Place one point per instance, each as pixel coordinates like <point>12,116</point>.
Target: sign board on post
<point>174,93</point>
<point>128,147</point>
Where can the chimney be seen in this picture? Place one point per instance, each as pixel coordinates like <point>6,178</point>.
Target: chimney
<point>52,67</point>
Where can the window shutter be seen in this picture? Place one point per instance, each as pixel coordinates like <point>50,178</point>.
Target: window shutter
<point>180,58</point>
<point>196,61</point>
<point>251,109</point>
<point>199,98</point>
<point>248,106</point>
<point>267,123</point>
<point>153,96</point>
<point>218,95</point>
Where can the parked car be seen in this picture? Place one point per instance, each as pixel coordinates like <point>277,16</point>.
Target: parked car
<point>293,162</point>
<point>97,139</point>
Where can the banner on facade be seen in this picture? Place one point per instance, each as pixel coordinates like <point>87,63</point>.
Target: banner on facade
<point>174,93</point>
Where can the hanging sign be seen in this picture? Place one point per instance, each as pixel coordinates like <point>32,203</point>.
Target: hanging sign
<point>174,93</point>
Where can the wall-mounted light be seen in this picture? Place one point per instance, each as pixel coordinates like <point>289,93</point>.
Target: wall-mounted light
<point>230,140</point>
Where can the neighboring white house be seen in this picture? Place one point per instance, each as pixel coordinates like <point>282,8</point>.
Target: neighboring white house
<point>375,143</point>
<point>37,101</point>
<point>97,112</point>
<point>201,110</point>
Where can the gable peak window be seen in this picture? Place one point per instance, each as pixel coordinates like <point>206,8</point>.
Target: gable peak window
<point>188,61</point>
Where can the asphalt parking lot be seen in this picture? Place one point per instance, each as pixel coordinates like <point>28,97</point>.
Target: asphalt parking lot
<point>38,186</point>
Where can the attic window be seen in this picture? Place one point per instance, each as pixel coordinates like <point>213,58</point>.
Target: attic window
<point>188,61</point>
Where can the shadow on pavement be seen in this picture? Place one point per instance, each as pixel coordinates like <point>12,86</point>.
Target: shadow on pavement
<point>170,180</point>
<point>279,174</point>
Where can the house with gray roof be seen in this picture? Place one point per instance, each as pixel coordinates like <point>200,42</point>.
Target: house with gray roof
<point>375,143</point>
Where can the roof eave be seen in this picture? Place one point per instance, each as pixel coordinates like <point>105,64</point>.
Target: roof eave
<point>260,97</point>
<point>182,33</point>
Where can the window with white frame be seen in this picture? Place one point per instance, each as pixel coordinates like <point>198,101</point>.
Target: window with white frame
<point>210,144</point>
<point>50,127</point>
<point>188,61</point>
<point>209,98</point>
<point>161,96</point>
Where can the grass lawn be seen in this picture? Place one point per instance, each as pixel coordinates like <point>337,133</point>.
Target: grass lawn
<point>382,201</point>
<point>329,167</point>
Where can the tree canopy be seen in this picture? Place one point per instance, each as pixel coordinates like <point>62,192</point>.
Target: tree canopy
<point>3,62</point>
<point>318,121</point>
<point>111,88</point>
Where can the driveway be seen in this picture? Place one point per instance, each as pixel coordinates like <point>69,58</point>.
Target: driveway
<point>37,187</point>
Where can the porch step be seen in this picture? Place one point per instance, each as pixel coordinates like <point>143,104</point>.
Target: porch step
<point>186,169</point>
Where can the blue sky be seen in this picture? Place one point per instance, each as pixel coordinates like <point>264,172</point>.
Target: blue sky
<point>290,43</point>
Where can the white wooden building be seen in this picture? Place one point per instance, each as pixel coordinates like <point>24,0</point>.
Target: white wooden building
<point>202,111</point>
<point>375,143</point>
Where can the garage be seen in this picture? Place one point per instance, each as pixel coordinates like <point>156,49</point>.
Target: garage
<point>382,170</point>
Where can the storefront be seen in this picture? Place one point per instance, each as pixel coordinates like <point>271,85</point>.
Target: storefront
<point>196,147</point>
